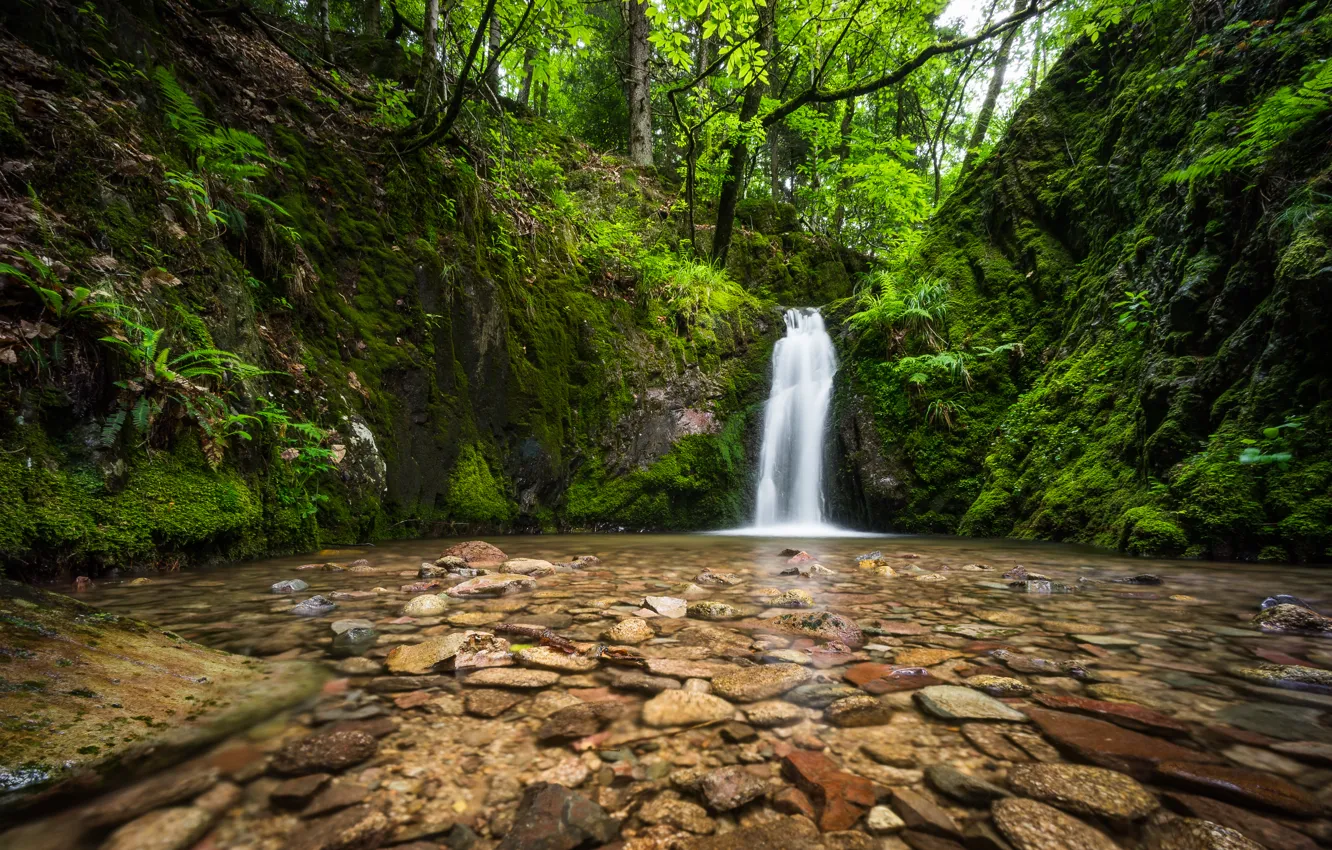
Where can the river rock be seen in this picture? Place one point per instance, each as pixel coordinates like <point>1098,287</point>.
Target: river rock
<point>708,578</point>
<point>490,702</point>
<point>354,642</point>
<point>175,828</point>
<point>1126,714</point>
<point>670,810</point>
<point>811,570</point>
<point>357,828</point>
<point>511,677</point>
<point>476,553</point>
<point>782,833</point>
<point>164,789</point>
<point>1291,676</point>
<point>963,787</point>
<point>295,793</point>
<point>416,659</point>
<point>637,680</point>
<point>859,710</point>
<point>492,585</point>
<point>315,606</point>
<point>954,702</point>
<point>534,567</point>
<point>632,631</point>
<point>999,686</point>
<point>578,721</point>
<point>1084,790</point>
<point>711,610</point>
<point>547,658</point>
<point>1242,786</point>
<point>1031,825</point>
<point>323,752</point>
<point>882,820</point>
<point>666,606</point>
<point>1257,828</point>
<point>794,598</point>
<point>685,708</point>
<point>730,788</point>
<point>924,656</point>
<point>751,684</point>
<point>340,626</point>
<point>841,797</point>
<point>820,694</point>
<point>291,585</point>
<point>773,713</point>
<point>1195,834</point>
<point>683,668</point>
<point>427,605</point>
<point>823,625</point>
<point>1293,618</point>
<point>1108,745</point>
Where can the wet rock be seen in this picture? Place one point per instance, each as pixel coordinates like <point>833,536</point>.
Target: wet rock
<point>751,684</point>
<point>1290,676</point>
<point>339,795</point>
<point>1245,787</point>
<point>808,571</point>
<point>578,721</point>
<point>428,605</point>
<point>840,798</point>
<point>490,702</point>
<point>340,626</point>
<point>1108,745</point>
<point>708,578</point>
<point>823,626</point>
<point>324,752</point>
<point>355,666</point>
<point>1194,834</point>
<point>797,557</point>
<point>175,828</point>
<point>452,651</point>
<point>954,702</point>
<point>978,631</point>
<point>682,668</point>
<point>735,732</point>
<point>1257,828</point>
<point>685,708</point>
<point>886,679</point>
<point>1142,578</point>
<point>1039,666</point>
<point>786,833</point>
<point>1283,599</point>
<point>491,586</point>
<point>882,820</point>
<point>820,694</point>
<point>1287,722</point>
<point>856,711</point>
<point>773,713</point>
<point>666,606</point>
<point>296,793</point>
<point>315,606</point>
<point>1031,825</point>
<point>636,680</point>
<point>570,772</point>
<point>1084,790</point>
<point>921,813</point>
<point>632,632</point>
<point>476,553</point>
<point>999,686</point>
<point>1126,714</point>
<point>162,790</point>
<point>1044,587</point>
<point>358,828</point>
<point>292,585</point>
<point>711,610</point>
<point>511,677</point>
<point>794,598</point>
<point>787,656</point>
<point>669,809</point>
<point>1293,618</point>
<point>924,656</point>
<point>963,787</point>
<point>546,658</point>
<point>534,567</point>
<point>730,788</point>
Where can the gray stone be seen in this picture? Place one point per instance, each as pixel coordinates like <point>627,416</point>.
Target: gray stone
<point>666,606</point>
<point>730,788</point>
<point>291,585</point>
<point>175,828</point>
<point>954,702</point>
<point>963,787</point>
<point>315,606</point>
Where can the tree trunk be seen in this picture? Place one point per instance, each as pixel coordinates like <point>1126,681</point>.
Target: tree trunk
<point>1036,56</point>
<point>372,23</point>
<point>992,94</point>
<point>640,86</point>
<point>525,93</point>
<point>844,151</point>
<point>325,33</point>
<point>429,48</point>
<point>738,154</point>
<point>492,55</point>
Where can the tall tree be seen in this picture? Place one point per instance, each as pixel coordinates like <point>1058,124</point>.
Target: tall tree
<point>986,113</point>
<point>370,18</point>
<point>429,49</point>
<point>493,55</point>
<point>639,88</point>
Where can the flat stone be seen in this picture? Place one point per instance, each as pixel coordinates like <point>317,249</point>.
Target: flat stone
<point>887,679</point>
<point>751,684</point>
<point>840,797</point>
<point>1194,834</point>
<point>921,813</point>
<point>822,625</point>
<point>491,585</point>
<point>295,793</point>
<point>339,795</point>
<point>1084,790</point>
<point>999,686</point>
<point>682,668</point>
<point>472,619</point>
<point>426,605</point>
<point>357,828</point>
<point>963,787</point>
<point>1293,618</point>
<point>446,652</point>
<point>685,708</point>
<point>570,772</point>
<point>730,788</point>
<point>1257,828</point>
<point>631,632</point>
<point>712,610</point>
<point>1295,677</point>
<point>546,658</point>
<point>882,820</point>
<point>666,606</point>
<point>490,702</point>
<point>773,713</point>
<point>315,606</point>
<point>1286,722</point>
<point>552,817</point>
<point>784,833</point>
<point>708,578</point>
<point>1128,715</point>
<point>291,585</point>
<point>534,567</point>
<point>140,798</point>
<point>1031,825</point>
<point>342,626</point>
<point>820,694</point>
<point>978,631</point>
<point>511,677</point>
<point>924,656</point>
<point>578,721</point>
<point>636,680</point>
<point>476,553</point>
<point>793,598</point>
<point>1108,745</point>
<point>175,828</point>
<point>1239,785</point>
<point>954,702</point>
<point>669,809</point>
<point>324,752</point>
<point>856,711</point>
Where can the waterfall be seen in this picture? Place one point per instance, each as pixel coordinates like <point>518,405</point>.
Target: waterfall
<point>790,491</point>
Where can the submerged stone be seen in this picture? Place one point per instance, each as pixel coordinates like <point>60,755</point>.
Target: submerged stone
<point>1031,825</point>
<point>823,625</point>
<point>315,606</point>
<point>685,708</point>
<point>291,585</point>
<point>709,610</point>
<point>476,553</point>
<point>1293,618</point>
<point>1084,790</point>
<point>492,585</point>
<point>953,702</point>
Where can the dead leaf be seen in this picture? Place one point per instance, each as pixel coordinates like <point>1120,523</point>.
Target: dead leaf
<point>8,357</point>
<point>160,277</point>
<point>339,452</point>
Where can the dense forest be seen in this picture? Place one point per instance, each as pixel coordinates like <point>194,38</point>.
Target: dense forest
<point>281,274</point>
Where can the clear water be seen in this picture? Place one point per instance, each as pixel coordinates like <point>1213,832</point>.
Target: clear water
<point>1178,645</point>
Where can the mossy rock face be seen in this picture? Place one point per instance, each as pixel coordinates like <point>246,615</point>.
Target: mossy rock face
<point>91,697</point>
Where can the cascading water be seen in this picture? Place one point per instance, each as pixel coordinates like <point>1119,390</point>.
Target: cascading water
<point>790,492</point>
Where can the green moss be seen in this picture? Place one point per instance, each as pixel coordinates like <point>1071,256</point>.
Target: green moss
<point>474,494</point>
<point>1150,531</point>
<point>11,137</point>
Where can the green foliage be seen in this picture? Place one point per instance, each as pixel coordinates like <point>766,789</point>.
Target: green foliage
<point>1135,310</point>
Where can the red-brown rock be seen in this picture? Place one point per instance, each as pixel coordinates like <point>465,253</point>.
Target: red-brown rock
<point>476,553</point>
<point>1266,832</point>
<point>887,679</point>
<point>1105,744</point>
<point>1125,714</point>
<point>1239,785</point>
<point>841,797</point>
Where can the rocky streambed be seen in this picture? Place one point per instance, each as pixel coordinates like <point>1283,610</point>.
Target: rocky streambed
<point>707,692</point>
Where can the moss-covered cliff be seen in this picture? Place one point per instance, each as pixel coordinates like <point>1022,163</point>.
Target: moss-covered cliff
<point>496,333</point>
<point>1139,298</point>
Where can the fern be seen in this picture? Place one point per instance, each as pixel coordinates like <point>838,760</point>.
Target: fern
<point>182,115</point>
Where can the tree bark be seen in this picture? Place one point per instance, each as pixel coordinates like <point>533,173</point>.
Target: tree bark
<point>639,90</point>
<point>429,47</point>
<point>372,22</point>
<point>525,93</point>
<point>992,94</point>
<point>492,54</point>
<point>844,151</point>
<point>738,154</point>
<point>325,32</point>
